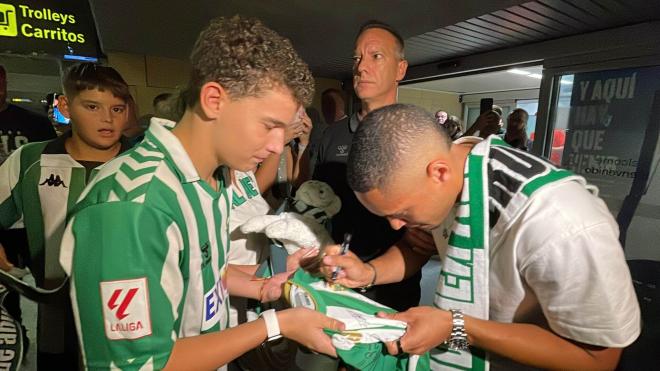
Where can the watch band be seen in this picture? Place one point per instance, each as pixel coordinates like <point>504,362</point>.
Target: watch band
<point>458,337</point>
<point>272,325</point>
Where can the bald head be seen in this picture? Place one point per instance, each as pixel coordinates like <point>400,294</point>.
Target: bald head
<point>388,140</point>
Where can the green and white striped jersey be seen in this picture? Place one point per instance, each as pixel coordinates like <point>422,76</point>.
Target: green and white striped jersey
<point>146,248</point>
<point>39,184</point>
<point>360,345</point>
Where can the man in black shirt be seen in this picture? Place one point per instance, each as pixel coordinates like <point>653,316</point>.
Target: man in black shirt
<point>378,67</point>
<point>17,127</point>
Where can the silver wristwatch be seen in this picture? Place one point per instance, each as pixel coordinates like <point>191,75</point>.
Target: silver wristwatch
<point>458,337</point>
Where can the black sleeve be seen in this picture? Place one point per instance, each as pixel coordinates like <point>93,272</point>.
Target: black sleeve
<point>43,129</point>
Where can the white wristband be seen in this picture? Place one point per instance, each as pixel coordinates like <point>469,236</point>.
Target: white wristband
<point>272,324</point>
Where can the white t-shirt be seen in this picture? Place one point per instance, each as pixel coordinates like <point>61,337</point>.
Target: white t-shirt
<point>561,267</point>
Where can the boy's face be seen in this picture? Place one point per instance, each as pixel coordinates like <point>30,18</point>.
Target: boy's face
<point>252,128</point>
<point>98,117</point>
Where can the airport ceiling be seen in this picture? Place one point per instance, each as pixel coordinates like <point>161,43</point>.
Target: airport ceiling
<point>323,31</point>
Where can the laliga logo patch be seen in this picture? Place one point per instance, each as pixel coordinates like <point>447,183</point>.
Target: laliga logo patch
<point>126,309</point>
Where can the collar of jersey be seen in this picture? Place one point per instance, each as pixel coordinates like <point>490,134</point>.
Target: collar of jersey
<point>55,154</point>
<point>160,134</point>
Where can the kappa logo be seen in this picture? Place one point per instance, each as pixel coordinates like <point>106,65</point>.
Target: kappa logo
<point>126,309</point>
<point>342,150</point>
<point>53,181</point>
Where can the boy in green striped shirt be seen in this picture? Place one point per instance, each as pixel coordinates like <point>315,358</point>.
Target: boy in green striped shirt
<point>146,246</point>
<point>40,183</point>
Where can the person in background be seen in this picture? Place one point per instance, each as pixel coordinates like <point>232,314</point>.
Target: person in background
<point>278,176</point>
<point>40,182</point>
<point>18,126</point>
<point>165,106</point>
<point>379,65</point>
<point>333,105</point>
<point>441,116</point>
<point>516,129</point>
<point>318,128</point>
<point>454,127</point>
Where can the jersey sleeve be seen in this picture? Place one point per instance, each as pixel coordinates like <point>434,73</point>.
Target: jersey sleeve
<point>10,176</point>
<point>127,284</point>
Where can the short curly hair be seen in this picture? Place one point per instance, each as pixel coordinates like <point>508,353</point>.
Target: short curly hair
<point>246,58</point>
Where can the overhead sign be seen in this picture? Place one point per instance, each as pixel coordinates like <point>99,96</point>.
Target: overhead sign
<point>61,28</point>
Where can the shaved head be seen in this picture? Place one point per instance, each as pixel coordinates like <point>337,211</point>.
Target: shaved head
<point>389,140</point>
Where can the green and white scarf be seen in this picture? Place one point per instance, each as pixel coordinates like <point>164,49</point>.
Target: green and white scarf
<point>499,182</point>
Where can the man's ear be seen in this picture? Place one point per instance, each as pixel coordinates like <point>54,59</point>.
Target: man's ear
<point>401,70</point>
<point>63,104</point>
<point>212,98</point>
<point>439,171</point>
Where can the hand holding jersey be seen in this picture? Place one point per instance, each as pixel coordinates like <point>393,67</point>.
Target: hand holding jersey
<point>360,342</point>
<point>420,337</point>
<point>272,287</point>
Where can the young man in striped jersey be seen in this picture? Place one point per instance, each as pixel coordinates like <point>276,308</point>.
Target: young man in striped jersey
<point>533,272</point>
<point>40,182</point>
<point>147,244</point>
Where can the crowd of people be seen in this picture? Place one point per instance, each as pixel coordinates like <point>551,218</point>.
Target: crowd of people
<point>144,231</point>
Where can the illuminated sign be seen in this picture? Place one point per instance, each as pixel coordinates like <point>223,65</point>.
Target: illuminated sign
<point>62,28</point>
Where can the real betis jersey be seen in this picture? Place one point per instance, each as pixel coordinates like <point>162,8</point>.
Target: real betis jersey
<point>39,184</point>
<point>360,345</point>
<point>146,249</point>
<point>247,202</point>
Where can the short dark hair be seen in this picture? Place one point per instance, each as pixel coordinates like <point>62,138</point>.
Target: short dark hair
<point>161,97</point>
<point>90,76</point>
<point>384,141</point>
<point>246,58</point>
<point>383,26</point>
<point>519,114</point>
<point>454,127</point>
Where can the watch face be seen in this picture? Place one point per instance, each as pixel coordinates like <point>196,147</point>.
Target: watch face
<point>458,344</point>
